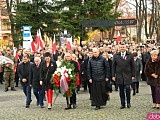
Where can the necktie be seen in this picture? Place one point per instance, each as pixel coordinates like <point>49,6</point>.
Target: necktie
<point>122,55</point>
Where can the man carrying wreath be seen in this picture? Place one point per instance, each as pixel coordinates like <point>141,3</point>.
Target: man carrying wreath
<point>71,100</point>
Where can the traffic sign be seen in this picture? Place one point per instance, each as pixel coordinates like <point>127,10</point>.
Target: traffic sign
<point>26,32</point>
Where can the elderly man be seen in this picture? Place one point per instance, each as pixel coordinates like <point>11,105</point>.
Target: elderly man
<point>123,73</point>
<point>98,74</point>
<point>34,81</point>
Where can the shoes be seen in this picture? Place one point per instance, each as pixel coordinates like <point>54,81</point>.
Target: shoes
<point>6,89</point>
<point>128,105</point>
<point>68,107</point>
<point>137,91</point>
<point>37,103</point>
<point>157,107</point>
<point>122,107</point>
<point>13,89</point>
<point>97,108</point>
<point>74,106</point>
<point>27,106</point>
<point>49,106</point>
<point>108,98</point>
<point>134,94</point>
<point>42,106</point>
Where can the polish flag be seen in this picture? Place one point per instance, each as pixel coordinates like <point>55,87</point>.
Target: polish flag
<point>54,45</point>
<point>118,38</point>
<point>33,45</point>
<point>68,45</point>
<point>39,41</point>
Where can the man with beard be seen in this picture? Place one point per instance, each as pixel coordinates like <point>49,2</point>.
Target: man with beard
<point>98,74</point>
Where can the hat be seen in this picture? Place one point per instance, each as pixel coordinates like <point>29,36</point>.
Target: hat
<point>47,54</point>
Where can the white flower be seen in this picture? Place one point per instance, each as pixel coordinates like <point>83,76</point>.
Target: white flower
<point>55,72</point>
<point>58,70</point>
<point>71,76</point>
<point>66,75</point>
<point>69,69</point>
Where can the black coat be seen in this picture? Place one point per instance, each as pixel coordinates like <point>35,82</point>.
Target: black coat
<point>123,69</point>
<point>150,68</point>
<point>23,72</point>
<point>46,74</point>
<point>98,68</point>
<point>34,76</point>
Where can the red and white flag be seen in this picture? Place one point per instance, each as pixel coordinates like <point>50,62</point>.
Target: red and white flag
<point>54,45</point>
<point>118,37</point>
<point>38,43</point>
<point>39,40</point>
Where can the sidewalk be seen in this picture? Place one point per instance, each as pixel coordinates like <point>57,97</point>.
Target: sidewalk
<point>12,104</point>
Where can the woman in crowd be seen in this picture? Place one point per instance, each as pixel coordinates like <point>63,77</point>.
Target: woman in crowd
<point>152,72</point>
<point>47,69</point>
<point>138,72</point>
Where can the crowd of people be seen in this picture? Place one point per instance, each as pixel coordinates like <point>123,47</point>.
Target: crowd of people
<point>98,66</point>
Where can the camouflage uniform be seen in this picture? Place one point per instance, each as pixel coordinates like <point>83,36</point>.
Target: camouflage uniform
<point>9,74</point>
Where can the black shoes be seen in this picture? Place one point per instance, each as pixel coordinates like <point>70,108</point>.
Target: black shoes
<point>74,106</point>
<point>13,89</point>
<point>42,106</point>
<point>134,94</point>
<point>97,108</point>
<point>122,107</point>
<point>37,103</point>
<point>27,106</point>
<point>68,107</point>
<point>128,105</point>
<point>6,89</point>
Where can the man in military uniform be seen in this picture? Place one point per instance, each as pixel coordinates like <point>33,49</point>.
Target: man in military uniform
<point>9,74</point>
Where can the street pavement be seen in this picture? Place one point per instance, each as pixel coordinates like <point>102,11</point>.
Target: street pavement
<point>12,107</point>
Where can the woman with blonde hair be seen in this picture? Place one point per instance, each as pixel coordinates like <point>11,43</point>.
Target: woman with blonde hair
<point>152,71</point>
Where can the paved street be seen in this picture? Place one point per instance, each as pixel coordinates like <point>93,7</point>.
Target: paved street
<point>12,107</point>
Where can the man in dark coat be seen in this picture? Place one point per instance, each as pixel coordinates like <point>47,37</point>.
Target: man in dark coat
<point>23,73</point>
<point>98,74</point>
<point>34,81</point>
<point>123,73</point>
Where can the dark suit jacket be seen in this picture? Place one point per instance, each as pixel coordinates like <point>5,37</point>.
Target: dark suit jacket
<point>23,72</point>
<point>34,76</point>
<point>123,69</point>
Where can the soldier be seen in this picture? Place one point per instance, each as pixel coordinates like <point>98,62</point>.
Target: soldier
<point>9,71</point>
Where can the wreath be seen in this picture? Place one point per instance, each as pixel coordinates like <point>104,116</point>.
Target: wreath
<point>64,79</point>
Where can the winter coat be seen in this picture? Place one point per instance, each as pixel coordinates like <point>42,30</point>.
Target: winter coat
<point>123,69</point>
<point>150,68</point>
<point>34,76</point>
<point>23,72</point>
<point>138,68</point>
<point>98,69</point>
<point>46,74</point>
